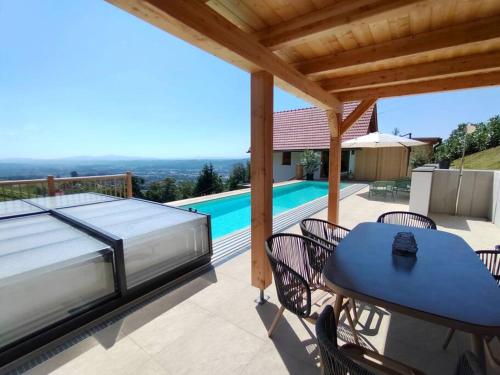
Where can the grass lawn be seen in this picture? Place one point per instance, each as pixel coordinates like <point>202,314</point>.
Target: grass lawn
<point>487,159</point>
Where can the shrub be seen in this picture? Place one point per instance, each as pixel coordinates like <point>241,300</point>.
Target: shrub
<point>418,157</point>
<point>310,160</point>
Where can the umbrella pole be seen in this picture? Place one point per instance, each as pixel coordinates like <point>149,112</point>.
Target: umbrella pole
<point>408,149</point>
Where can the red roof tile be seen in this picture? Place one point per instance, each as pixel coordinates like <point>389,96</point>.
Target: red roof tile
<point>307,128</point>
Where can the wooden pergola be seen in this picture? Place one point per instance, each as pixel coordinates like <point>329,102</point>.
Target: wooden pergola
<point>328,52</point>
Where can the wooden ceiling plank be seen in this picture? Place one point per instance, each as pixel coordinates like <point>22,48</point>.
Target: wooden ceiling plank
<point>243,12</point>
<point>338,17</point>
<point>220,8</point>
<point>436,69</point>
<point>424,87</point>
<point>354,116</point>
<point>199,18</point>
<point>472,32</point>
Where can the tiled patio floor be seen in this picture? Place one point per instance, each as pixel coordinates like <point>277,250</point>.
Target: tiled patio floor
<point>211,325</point>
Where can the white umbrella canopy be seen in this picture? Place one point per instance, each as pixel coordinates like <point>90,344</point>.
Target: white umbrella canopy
<point>376,139</point>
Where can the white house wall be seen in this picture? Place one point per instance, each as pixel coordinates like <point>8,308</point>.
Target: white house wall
<point>287,172</point>
<point>284,172</point>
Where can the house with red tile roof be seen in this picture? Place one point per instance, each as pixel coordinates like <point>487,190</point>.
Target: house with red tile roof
<point>300,129</point>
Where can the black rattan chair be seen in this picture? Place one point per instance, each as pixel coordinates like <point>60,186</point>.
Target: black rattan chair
<point>409,219</point>
<point>297,263</point>
<point>329,235</point>
<point>468,364</point>
<point>491,259</point>
<point>351,359</point>
<point>323,231</point>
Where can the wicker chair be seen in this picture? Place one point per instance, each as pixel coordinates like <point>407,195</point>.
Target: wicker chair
<point>468,364</point>
<point>297,263</point>
<point>326,233</point>
<point>491,259</point>
<point>409,219</point>
<point>351,359</point>
<point>329,235</point>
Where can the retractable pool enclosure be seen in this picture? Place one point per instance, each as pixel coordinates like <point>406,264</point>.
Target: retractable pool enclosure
<point>67,261</point>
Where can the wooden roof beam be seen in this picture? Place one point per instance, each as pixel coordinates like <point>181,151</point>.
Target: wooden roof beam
<point>424,87</point>
<point>472,32</point>
<point>334,18</point>
<point>202,26</point>
<point>354,116</point>
<point>438,69</point>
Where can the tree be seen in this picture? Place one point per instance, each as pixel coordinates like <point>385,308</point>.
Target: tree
<point>137,186</point>
<point>237,176</point>
<point>74,174</point>
<point>494,126</point>
<point>418,157</point>
<point>208,182</point>
<point>186,189</point>
<point>163,191</point>
<point>396,131</point>
<point>310,160</point>
<point>248,171</point>
<point>486,135</point>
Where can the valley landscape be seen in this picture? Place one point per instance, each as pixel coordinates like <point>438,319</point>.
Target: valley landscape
<point>150,170</point>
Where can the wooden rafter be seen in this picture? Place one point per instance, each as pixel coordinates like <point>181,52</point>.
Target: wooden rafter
<point>422,87</point>
<point>354,116</point>
<point>334,18</point>
<point>472,32</point>
<point>181,17</point>
<point>437,69</point>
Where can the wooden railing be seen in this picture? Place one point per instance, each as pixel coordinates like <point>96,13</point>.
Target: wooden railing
<point>119,185</point>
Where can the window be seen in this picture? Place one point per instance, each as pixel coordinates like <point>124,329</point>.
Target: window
<point>286,158</point>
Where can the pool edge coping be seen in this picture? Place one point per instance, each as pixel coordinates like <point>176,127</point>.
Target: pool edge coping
<point>348,191</point>
<point>205,198</point>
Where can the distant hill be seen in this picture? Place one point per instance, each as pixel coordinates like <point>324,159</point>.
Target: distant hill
<point>149,169</point>
<point>487,159</point>
<point>73,159</point>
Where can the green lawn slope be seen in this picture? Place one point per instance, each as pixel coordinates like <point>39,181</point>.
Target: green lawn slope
<point>487,159</point>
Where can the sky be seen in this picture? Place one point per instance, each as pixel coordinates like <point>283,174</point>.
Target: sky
<point>82,77</point>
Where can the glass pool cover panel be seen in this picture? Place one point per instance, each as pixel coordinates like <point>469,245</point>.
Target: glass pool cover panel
<point>17,207</point>
<point>48,271</point>
<point>69,200</point>
<point>156,238</point>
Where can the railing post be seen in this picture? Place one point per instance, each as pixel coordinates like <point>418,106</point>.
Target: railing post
<point>128,181</point>
<point>51,186</point>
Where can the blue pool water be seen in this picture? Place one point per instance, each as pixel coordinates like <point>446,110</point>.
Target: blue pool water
<point>233,213</point>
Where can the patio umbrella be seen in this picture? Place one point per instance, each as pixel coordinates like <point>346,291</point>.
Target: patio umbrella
<point>376,139</point>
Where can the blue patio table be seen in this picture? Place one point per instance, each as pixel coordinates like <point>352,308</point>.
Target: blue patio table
<point>446,283</point>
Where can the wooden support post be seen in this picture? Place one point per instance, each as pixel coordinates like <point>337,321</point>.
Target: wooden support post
<point>334,122</point>
<point>51,186</point>
<point>128,181</point>
<point>261,169</point>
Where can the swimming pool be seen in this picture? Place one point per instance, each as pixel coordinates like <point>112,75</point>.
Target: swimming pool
<point>232,213</point>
